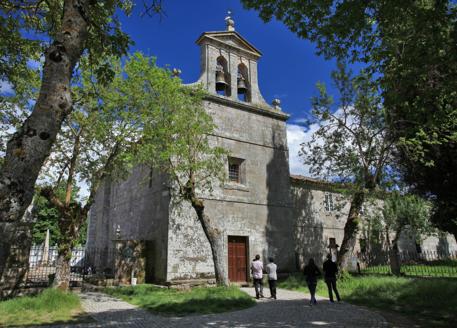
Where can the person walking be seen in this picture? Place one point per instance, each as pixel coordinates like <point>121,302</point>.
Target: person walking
<point>272,277</point>
<point>330,272</point>
<point>257,275</point>
<point>311,272</point>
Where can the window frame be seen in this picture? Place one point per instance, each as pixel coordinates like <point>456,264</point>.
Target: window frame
<point>240,163</point>
<point>328,202</point>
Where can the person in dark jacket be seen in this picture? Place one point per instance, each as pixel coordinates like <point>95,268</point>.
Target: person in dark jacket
<point>311,272</point>
<point>330,271</point>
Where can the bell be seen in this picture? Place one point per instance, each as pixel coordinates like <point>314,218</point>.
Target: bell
<point>242,88</point>
<point>221,84</point>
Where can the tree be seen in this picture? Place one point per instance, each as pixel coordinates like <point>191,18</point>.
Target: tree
<point>142,114</point>
<point>96,141</point>
<point>194,165</point>
<point>46,217</point>
<point>401,212</point>
<point>417,71</point>
<point>73,27</point>
<point>351,144</point>
<point>176,142</point>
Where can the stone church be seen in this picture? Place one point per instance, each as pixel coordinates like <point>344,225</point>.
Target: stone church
<point>261,209</point>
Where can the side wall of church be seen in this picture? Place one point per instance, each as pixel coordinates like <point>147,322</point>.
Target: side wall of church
<point>314,222</point>
<point>258,207</point>
<point>139,207</point>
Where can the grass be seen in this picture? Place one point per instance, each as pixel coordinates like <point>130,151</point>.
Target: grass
<point>431,302</point>
<point>50,307</point>
<point>178,302</point>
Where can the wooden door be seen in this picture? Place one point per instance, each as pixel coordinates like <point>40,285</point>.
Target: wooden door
<point>237,258</point>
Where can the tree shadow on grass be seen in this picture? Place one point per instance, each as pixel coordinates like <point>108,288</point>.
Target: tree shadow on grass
<point>430,302</point>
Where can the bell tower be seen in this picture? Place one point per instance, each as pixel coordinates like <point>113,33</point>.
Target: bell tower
<point>229,65</point>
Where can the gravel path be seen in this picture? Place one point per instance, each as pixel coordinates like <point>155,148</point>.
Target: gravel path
<point>291,309</point>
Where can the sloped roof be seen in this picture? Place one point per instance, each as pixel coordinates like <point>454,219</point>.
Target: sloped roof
<point>313,181</point>
<point>231,38</point>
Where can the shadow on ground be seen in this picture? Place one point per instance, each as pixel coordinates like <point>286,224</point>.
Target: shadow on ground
<point>267,313</point>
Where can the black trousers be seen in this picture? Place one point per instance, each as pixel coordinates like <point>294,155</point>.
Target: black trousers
<point>258,285</point>
<point>272,285</point>
<point>331,284</point>
<point>312,284</point>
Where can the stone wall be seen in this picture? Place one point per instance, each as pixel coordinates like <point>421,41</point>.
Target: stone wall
<point>259,208</point>
<point>314,225</point>
<point>139,207</point>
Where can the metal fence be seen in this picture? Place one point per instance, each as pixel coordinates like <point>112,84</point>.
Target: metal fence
<point>42,266</point>
<point>412,263</point>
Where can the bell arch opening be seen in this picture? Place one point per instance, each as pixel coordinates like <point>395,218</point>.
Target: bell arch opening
<point>243,86</point>
<point>222,77</point>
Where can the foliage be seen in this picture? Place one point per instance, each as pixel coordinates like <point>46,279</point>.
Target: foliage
<point>172,301</point>
<point>49,307</point>
<point>430,302</point>
<point>27,26</point>
<point>351,144</point>
<point>175,139</point>
<point>406,211</point>
<point>416,66</point>
<point>47,217</point>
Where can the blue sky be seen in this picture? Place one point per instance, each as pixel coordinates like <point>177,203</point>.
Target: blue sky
<point>288,69</point>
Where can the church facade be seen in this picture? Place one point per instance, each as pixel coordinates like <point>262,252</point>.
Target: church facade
<point>261,209</point>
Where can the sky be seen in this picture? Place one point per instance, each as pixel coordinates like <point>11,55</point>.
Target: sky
<point>288,68</point>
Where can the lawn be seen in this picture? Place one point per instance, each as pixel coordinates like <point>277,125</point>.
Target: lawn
<point>429,302</point>
<point>182,302</point>
<point>50,307</point>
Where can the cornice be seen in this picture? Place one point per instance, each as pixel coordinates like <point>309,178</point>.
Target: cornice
<point>248,107</point>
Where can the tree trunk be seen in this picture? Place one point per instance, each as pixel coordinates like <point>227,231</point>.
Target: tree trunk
<point>350,230</point>
<point>395,259</point>
<point>31,144</point>
<point>216,241</point>
<point>62,276</point>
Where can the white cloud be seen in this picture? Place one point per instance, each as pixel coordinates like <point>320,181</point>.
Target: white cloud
<point>298,132</point>
<point>296,135</point>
